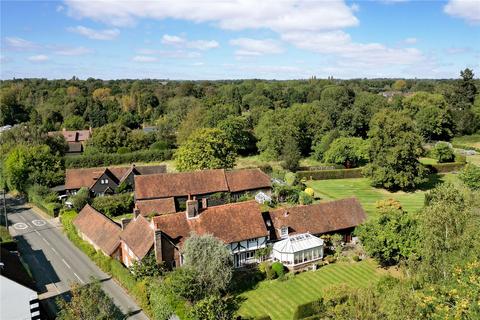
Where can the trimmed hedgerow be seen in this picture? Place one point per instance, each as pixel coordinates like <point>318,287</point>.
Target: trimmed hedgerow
<point>114,205</point>
<point>107,159</point>
<point>445,167</point>
<point>330,174</point>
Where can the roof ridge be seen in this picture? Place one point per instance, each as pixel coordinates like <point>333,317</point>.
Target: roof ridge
<point>225,178</point>
<point>101,214</point>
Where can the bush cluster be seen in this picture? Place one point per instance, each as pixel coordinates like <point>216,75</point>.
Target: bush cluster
<point>114,205</point>
<point>107,159</point>
<point>272,270</point>
<point>43,198</point>
<point>330,174</point>
<point>445,167</point>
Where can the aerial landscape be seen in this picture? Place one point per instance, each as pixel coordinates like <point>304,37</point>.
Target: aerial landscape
<point>240,159</point>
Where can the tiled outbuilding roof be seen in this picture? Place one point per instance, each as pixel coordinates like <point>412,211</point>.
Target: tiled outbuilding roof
<point>158,206</point>
<point>319,218</point>
<point>99,229</point>
<point>138,236</point>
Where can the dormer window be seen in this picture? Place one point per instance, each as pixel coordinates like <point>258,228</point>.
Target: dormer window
<point>284,232</point>
<point>104,181</point>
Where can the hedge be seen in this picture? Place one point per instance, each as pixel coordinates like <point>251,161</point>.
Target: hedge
<point>107,159</point>
<point>445,167</point>
<point>138,289</point>
<point>465,147</point>
<point>330,174</point>
<point>44,199</point>
<point>308,310</point>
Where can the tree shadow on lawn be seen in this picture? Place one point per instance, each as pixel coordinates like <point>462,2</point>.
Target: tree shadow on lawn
<point>433,180</point>
<point>245,280</point>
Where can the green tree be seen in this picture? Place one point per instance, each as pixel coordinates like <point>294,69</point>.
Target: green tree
<point>394,151</point>
<point>470,176</point>
<point>443,152</point>
<point>392,236</point>
<point>434,123</point>
<point>12,111</point>
<point>350,152</point>
<point>74,123</point>
<point>238,132</point>
<point>184,283</point>
<point>323,143</point>
<point>399,85</point>
<point>88,303</point>
<point>421,100</point>
<point>108,138</point>
<point>214,308</point>
<point>211,260</point>
<point>206,149</point>
<point>146,268</point>
<point>80,199</point>
<point>365,106</point>
<point>290,154</point>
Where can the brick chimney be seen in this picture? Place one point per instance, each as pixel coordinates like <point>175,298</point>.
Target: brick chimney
<point>192,208</point>
<point>204,203</point>
<point>157,243</point>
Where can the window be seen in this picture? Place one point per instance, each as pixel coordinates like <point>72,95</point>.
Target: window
<point>283,232</point>
<point>249,255</point>
<point>104,181</point>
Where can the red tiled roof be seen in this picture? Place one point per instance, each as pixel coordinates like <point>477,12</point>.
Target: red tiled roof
<point>160,206</point>
<point>198,183</point>
<point>102,231</point>
<point>247,179</point>
<point>86,177</point>
<point>319,218</point>
<point>230,223</point>
<point>138,236</point>
<point>74,135</point>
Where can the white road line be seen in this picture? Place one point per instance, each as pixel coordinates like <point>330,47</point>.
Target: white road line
<point>23,218</point>
<point>76,275</point>
<point>55,251</point>
<point>29,224</point>
<point>66,264</point>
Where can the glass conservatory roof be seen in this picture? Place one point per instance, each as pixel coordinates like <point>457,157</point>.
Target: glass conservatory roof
<point>297,242</point>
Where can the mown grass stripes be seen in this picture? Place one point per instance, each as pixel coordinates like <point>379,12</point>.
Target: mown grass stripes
<point>279,299</point>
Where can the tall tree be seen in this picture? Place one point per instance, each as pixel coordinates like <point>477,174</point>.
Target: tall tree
<point>394,151</point>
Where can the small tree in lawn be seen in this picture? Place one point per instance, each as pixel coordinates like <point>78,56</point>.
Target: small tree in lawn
<point>88,303</point>
<point>443,152</point>
<point>290,154</point>
<point>211,260</point>
<point>206,149</point>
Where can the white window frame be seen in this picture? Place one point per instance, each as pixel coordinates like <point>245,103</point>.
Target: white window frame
<point>283,232</point>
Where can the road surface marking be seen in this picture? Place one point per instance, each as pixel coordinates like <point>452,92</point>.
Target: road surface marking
<point>55,251</point>
<point>39,223</point>
<point>29,224</point>
<point>76,275</point>
<point>20,226</point>
<point>23,218</point>
<point>66,264</point>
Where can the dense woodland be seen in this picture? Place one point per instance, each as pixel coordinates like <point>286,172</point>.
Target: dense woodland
<point>381,125</point>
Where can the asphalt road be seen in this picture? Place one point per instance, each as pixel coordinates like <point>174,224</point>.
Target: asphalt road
<point>56,263</point>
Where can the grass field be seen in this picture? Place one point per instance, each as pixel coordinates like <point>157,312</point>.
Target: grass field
<point>280,299</point>
<point>472,140</point>
<point>368,196</point>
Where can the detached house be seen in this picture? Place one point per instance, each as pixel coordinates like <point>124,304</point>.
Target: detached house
<point>168,192</point>
<point>75,139</point>
<point>102,181</point>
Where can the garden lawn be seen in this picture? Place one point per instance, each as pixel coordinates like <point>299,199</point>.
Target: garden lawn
<point>472,140</point>
<point>280,299</point>
<point>368,196</point>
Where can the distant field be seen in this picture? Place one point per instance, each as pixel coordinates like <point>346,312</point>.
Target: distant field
<point>368,196</point>
<point>472,140</point>
<point>280,299</point>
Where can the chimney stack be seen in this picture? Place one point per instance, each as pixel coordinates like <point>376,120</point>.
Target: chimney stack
<point>157,243</point>
<point>192,208</point>
<point>124,222</point>
<point>136,213</point>
<point>204,203</point>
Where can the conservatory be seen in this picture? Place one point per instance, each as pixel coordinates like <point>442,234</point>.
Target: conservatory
<point>298,251</point>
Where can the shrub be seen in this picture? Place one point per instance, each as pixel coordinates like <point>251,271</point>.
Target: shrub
<point>80,199</point>
<point>310,192</point>
<point>305,198</point>
<point>356,258</point>
<point>278,268</point>
<point>470,175</point>
<point>114,205</point>
<point>330,174</point>
<point>43,198</point>
<point>443,153</point>
<point>123,150</point>
<point>287,194</point>
<point>290,178</point>
<point>460,158</point>
<point>107,159</point>
<point>330,259</point>
<point>159,145</point>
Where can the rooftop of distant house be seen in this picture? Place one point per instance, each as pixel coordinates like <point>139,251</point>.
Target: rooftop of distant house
<point>74,135</point>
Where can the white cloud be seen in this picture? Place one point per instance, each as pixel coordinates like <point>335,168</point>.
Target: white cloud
<point>469,10</point>
<point>457,50</point>
<point>106,34</point>
<point>17,43</point>
<point>144,59</point>
<point>59,8</point>
<point>194,44</point>
<point>255,47</point>
<point>77,51</point>
<point>38,58</point>
<point>410,40</point>
<point>288,15</point>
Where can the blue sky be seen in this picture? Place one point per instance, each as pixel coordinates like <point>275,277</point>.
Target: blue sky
<point>205,39</point>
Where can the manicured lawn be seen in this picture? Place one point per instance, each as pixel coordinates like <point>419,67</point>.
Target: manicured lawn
<point>472,140</point>
<point>368,196</point>
<point>280,299</point>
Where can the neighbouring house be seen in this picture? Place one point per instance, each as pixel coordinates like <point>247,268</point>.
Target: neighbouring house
<point>240,225</point>
<point>339,216</point>
<point>137,239</point>
<point>298,251</point>
<point>18,295</point>
<point>210,187</point>
<point>101,181</point>
<point>76,139</point>
<point>99,230</point>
